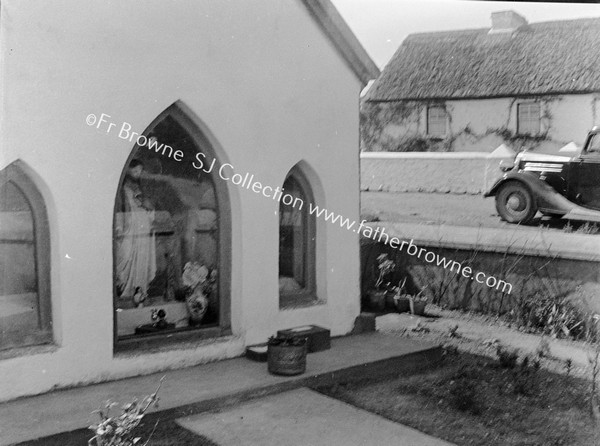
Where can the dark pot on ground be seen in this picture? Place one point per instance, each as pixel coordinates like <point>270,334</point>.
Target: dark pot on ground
<point>418,307</point>
<point>377,300</point>
<point>286,357</point>
<point>390,301</point>
<point>402,304</point>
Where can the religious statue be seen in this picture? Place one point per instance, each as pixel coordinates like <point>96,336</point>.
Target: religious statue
<point>136,249</point>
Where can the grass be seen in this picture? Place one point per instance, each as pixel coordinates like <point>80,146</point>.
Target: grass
<point>472,400</point>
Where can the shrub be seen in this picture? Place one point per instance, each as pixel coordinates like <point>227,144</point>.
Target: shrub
<point>462,391</point>
<point>507,358</point>
<point>553,315</point>
<point>414,144</point>
<point>525,377</point>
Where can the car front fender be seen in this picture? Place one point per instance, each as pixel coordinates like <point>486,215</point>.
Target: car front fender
<point>546,197</point>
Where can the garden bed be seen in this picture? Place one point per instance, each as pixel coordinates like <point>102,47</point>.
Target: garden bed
<point>159,433</point>
<point>472,400</point>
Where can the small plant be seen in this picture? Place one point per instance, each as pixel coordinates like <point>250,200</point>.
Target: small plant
<point>417,303</point>
<point>588,228</point>
<point>507,358</point>
<point>399,290</point>
<point>453,331</point>
<point>118,430</point>
<point>543,349</point>
<point>384,267</point>
<point>568,366</point>
<point>568,228</point>
<point>419,296</point>
<point>449,350</point>
<point>525,376</point>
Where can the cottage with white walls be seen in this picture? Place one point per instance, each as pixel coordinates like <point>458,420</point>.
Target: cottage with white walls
<point>525,85</point>
<point>155,150</point>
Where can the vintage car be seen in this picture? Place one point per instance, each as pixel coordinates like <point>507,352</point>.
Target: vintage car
<point>556,185</point>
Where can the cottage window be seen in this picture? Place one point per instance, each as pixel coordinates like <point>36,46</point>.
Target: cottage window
<point>437,120</point>
<point>170,277</point>
<point>296,243</point>
<point>25,316</point>
<point>528,119</point>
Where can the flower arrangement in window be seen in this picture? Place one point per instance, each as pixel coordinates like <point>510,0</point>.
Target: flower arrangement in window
<point>199,282</point>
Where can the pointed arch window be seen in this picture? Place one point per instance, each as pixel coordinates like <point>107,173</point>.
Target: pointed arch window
<point>25,306</point>
<point>297,235</point>
<point>170,245</point>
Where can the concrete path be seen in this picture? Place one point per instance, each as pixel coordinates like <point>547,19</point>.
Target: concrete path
<point>485,335</point>
<point>303,417</point>
<point>196,389</point>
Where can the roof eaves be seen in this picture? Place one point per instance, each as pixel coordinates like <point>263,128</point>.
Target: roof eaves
<point>338,32</point>
<point>489,96</point>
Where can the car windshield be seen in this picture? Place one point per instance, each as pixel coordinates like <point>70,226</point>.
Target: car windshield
<point>594,145</point>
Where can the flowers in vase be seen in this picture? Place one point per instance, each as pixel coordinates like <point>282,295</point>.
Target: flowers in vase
<point>196,275</point>
<point>199,283</point>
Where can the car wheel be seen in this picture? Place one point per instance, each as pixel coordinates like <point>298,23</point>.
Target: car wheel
<point>515,204</point>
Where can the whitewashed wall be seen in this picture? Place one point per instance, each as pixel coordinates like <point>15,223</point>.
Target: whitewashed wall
<point>264,80</point>
<point>457,173</point>
<point>565,118</point>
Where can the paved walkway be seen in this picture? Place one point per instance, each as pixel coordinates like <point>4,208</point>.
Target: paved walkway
<point>196,389</point>
<point>484,335</point>
<point>303,417</point>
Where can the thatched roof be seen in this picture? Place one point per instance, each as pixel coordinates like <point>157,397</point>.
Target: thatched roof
<point>540,58</point>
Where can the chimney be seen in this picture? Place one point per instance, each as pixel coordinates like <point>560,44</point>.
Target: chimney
<point>506,22</point>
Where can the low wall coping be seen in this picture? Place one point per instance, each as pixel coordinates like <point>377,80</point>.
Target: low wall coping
<point>521,241</point>
<point>425,155</point>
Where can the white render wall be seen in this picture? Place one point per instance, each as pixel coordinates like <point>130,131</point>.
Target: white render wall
<point>259,74</point>
<point>455,173</point>
<point>566,118</point>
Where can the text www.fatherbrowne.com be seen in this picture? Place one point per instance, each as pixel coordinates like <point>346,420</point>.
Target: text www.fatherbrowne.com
<point>378,234</point>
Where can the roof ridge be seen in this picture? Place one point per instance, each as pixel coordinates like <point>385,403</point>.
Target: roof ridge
<point>539,59</point>
<point>480,30</point>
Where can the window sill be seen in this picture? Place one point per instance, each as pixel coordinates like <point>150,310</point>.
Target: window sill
<point>300,300</point>
<point>30,350</point>
<point>173,340</point>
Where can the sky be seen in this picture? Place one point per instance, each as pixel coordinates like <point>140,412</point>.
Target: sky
<point>382,25</point>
